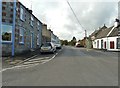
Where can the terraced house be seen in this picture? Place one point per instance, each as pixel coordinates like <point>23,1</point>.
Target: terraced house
<point>21,30</point>
<point>106,38</point>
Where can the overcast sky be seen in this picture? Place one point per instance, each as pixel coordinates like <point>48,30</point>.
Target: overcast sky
<point>59,17</point>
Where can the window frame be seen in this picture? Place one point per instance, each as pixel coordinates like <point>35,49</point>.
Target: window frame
<point>105,44</point>
<point>112,45</point>
<point>3,41</point>
<point>31,21</point>
<point>97,43</point>
<point>21,34</point>
<point>38,39</point>
<point>22,13</point>
<point>117,43</point>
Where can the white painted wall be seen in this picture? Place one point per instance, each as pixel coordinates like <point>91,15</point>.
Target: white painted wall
<point>95,44</point>
<point>107,43</point>
<point>115,43</point>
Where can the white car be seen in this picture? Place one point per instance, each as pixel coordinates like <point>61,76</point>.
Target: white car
<point>58,45</point>
<point>48,47</point>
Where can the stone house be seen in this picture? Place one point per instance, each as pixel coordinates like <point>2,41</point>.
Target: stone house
<point>21,30</point>
<point>46,34</point>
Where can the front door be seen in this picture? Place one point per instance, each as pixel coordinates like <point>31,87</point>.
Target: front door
<point>101,44</point>
<point>31,40</point>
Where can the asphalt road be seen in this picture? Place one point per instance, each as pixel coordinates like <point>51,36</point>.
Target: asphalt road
<point>71,67</point>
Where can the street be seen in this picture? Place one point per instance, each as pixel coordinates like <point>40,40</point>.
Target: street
<point>71,66</point>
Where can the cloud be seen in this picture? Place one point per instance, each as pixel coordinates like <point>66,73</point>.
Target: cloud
<point>58,15</point>
<point>92,15</point>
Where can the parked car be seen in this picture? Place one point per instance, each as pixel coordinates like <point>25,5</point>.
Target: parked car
<point>48,47</point>
<point>78,45</point>
<point>58,45</point>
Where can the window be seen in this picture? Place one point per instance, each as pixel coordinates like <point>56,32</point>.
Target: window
<point>98,44</point>
<point>111,44</point>
<point>3,8</point>
<point>38,39</point>
<point>118,43</point>
<point>101,44</point>
<point>21,39</point>
<point>3,13</point>
<point>31,22</point>
<point>22,14</point>
<point>38,23</point>
<point>4,3</point>
<point>105,44</point>
<point>6,33</point>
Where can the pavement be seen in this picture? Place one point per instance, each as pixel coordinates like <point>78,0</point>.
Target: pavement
<point>70,66</point>
<point>8,62</point>
<point>12,61</point>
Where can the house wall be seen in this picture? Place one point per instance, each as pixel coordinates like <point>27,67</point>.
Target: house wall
<point>53,38</point>
<point>107,40</point>
<point>97,43</point>
<point>26,25</point>
<point>46,34</point>
<point>7,19</point>
<point>115,43</point>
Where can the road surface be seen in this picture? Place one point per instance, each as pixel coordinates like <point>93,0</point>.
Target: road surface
<point>70,67</point>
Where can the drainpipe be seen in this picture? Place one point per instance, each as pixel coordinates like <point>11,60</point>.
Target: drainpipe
<point>0,43</point>
<point>13,30</point>
<point>0,28</point>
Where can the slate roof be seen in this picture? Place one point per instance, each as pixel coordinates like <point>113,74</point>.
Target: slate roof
<point>96,32</point>
<point>114,33</point>
<point>103,33</point>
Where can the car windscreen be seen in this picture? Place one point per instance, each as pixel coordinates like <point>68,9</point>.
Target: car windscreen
<point>46,44</point>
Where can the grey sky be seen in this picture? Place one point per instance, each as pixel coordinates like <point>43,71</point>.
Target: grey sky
<point>58,16</point>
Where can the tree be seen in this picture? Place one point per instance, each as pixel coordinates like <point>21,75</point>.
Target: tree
<point>73,41</point>
<point>64,42</point>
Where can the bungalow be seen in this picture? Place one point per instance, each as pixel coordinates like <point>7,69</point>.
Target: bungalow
<point>107,38</point>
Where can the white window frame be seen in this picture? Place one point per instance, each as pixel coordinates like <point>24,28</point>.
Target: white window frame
<point>38,39</point>
<point>22,14</point>
<point>21,34</point>
<point>32,20</point>
<point>38,23</point>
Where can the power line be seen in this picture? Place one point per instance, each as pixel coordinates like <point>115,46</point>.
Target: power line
<point>75,14</point>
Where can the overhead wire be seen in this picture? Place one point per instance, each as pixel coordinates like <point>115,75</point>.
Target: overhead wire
<point>75,14</point>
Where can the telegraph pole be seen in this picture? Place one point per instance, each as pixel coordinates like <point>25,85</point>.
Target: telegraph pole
<point>85,34</point>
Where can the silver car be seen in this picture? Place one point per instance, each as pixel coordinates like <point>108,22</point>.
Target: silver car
<point>48,47</point>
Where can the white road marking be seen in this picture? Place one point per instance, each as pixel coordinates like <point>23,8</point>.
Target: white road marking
<point>50,59</point>
<point>36,59</point>
<point>32,62</point>
<point>17,67</point>
<point>27,59</point>
<point>27,66</point>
